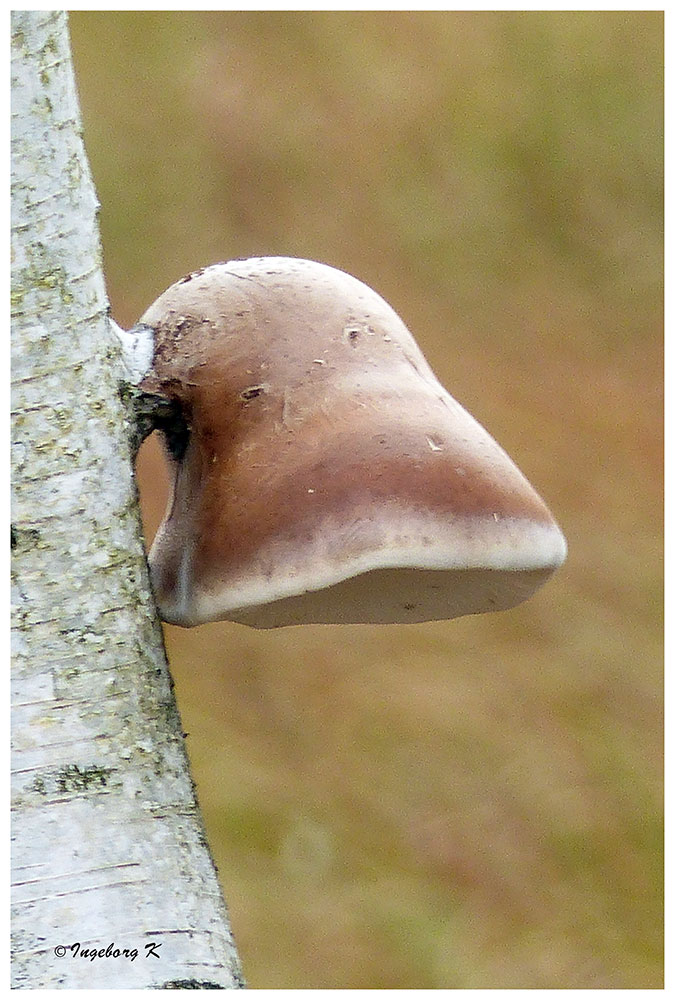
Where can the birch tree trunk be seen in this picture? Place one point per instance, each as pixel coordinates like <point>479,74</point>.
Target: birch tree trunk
<point>113,883</point>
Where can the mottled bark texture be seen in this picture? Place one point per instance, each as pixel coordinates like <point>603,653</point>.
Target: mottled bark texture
<point>108,848</point>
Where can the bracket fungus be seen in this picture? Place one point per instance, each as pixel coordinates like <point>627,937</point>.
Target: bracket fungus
<point>323,474</point>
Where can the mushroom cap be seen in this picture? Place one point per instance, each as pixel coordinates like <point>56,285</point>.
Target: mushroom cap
<point>328,476</point>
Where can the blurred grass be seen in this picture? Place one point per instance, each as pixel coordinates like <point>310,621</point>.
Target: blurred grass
<point>465,804</point>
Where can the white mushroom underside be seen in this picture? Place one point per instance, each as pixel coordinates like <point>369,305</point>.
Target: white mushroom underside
<point>419,571</point>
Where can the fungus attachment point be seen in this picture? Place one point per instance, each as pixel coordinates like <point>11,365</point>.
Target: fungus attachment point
<point>325,477</point>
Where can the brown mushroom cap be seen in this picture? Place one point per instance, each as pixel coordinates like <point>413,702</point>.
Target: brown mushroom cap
<point>328,476</point>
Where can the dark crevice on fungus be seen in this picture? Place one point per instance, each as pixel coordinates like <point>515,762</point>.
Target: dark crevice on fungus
<point>151,412</point>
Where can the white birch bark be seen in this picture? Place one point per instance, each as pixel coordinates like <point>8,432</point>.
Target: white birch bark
<point>108,847</point>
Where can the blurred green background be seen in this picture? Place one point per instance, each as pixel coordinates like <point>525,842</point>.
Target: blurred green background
<point>466,804</point>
